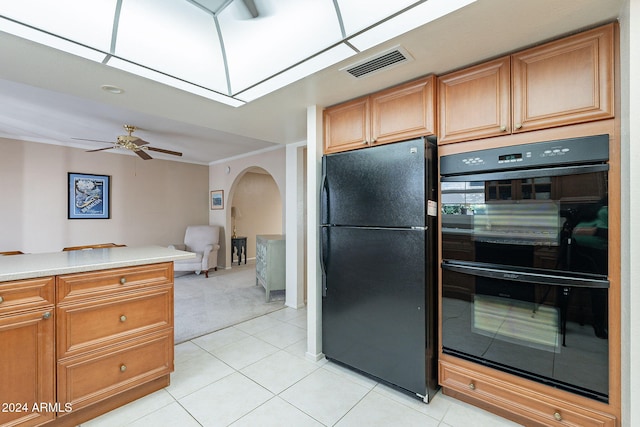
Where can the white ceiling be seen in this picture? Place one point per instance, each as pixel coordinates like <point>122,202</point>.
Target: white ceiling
<point>52,97</point>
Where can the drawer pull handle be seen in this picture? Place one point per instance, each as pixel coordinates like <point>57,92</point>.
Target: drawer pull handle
<point>123,280</point>
<point>123,368</point>
<point>123,318</point>
<point>1,300</point>
<point>557,416</point>
<point>472,386</point>
<point>46,315</point>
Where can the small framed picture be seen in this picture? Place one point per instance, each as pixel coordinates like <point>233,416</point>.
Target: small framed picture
<point>217,199</point>
<point>88,196</point>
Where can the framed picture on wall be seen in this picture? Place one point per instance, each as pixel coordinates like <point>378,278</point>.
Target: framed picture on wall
<point>88,196</point>
<point>217,199</point>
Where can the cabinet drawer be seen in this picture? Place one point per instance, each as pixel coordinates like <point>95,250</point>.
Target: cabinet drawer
<point>85,325</point>
<point>90,378</point>
<point>536,408</point>
<point>26,294</point>
<point>74,287</point>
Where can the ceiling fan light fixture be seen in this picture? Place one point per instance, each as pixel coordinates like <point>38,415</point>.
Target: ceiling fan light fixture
<point>112,89</point>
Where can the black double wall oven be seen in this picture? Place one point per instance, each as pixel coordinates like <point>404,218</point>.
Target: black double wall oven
<point>525,261</point>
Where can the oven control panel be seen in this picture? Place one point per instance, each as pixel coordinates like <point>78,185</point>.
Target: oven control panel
<point>588,149</point>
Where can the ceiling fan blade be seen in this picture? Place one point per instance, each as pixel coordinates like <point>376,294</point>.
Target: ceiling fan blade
<point>99,149</point>
<point>143,155</point>
<point>140,141</point>
<point>162,150</point>
<point>92,140</point>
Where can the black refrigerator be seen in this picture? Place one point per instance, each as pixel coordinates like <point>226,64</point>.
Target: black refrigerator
<point>378,259</point>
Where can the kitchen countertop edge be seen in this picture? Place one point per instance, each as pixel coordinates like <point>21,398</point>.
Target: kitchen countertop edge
<point>29,266</point>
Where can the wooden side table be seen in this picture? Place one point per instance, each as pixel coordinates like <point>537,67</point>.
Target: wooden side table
<point>239,247</point>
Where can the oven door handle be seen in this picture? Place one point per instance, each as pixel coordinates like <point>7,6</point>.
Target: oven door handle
<point>528,277</point>
<point>527,173</point>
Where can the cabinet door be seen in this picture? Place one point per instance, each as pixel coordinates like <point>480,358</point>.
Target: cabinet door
<point>564,82</point>
<point>403,112</point>
<point>475,102</point>
<point>346,126</point>
<point>27,368</point>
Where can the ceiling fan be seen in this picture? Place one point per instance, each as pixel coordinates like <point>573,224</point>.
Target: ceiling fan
<point>133,143</point>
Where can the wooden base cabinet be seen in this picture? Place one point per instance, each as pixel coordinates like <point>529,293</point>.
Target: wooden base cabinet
<point>27,360</point>
<point>519,400</point>
<point>85,343</point>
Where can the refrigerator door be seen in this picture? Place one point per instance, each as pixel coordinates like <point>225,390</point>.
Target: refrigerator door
<point>382,186</point>
<point>374,308</point>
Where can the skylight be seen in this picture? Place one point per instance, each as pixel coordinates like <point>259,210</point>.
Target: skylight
<point>215,48</point>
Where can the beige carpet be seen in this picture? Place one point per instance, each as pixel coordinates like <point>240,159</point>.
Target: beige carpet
<point>226,298</point>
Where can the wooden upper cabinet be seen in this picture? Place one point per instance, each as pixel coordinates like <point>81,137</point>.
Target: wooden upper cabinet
<point>564,82</point>
<point>396,114</point>
<point>347,126</point>
<point>403,112</point>
<point>475,102</point>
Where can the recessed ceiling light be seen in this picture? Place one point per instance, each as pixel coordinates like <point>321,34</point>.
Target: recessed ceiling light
<point>112,89</point>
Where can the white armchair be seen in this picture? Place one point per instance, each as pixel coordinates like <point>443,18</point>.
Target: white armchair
<point>203,240</point>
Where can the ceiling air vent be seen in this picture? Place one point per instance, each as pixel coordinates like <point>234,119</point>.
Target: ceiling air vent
<point>382,61</point>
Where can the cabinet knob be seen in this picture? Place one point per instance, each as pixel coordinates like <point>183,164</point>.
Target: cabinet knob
<point>123,367</point>
<point>518,125</point>
<point>1,300</point>
<point>123,280</point>
<point>123,318</point>
<point>503,128</point>
<point>365,142</point>
<point>472,386</point>
<point>558,416</point>
<point>46,315</point>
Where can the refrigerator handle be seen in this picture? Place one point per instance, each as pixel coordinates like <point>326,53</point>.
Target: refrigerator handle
<point>324,195</point>
<point>324,240</point>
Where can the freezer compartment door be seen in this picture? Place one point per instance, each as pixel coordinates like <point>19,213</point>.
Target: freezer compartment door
<point>381,186</point>
<point>374,309</point>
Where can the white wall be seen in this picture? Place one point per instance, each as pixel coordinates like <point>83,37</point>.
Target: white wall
<point>152,201</point>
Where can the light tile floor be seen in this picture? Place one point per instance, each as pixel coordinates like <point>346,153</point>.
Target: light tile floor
<point>256,374</point>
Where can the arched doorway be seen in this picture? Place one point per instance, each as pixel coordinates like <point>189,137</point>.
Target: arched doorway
<point>256,207</point>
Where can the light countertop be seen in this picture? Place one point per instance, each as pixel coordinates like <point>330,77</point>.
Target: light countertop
<point>27,266</point>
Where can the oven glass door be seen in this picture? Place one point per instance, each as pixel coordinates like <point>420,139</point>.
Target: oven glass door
<point>554,219</point>
<point>529,326</point>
